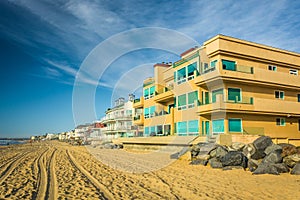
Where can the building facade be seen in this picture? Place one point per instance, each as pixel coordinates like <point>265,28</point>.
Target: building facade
<point>227,85</point>
<point>118,120</point>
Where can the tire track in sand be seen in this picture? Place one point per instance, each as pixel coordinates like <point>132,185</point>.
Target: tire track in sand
<point>52,183</point>
<point>101,188</point>
<point>42,178</point>
<point>11,165</point>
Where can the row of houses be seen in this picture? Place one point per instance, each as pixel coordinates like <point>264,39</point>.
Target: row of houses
<point>226,86</point>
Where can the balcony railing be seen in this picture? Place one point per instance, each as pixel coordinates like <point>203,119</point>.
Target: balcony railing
<point>243,69</point>
<point>244,100</point>
<point>137,100</point>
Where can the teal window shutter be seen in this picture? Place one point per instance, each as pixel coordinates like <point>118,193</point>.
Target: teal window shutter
<point>181,74</point>
<point>193,126</point>
<point>192,68</point>
<point>146,111</point>
<point>146,130</point>
<point>235,125</point>
<point>229,65</point>
<point>215,93</point>
<point>152,90</point>
<point>234,94</point>
<point>218,126</point>
<point>213,64</point>
<point>146,92</point>
<point>182,100</point>
<point>152,129</point>
<point>192,97</point>
<point>152,110</point>
<point>181,128</point>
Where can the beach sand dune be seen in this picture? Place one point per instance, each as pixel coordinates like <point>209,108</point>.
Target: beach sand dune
<point>56,170</point>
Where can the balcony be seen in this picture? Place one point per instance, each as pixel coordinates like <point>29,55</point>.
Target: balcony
<point>252,105</point>
<point>165,95</point>
<point>116,129</point>
<point>138,103</point>
<point>248,74</point>
<point>138,119</point>
<point>160,118</point>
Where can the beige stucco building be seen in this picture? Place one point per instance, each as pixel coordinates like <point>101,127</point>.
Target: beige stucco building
<point>227,85</point>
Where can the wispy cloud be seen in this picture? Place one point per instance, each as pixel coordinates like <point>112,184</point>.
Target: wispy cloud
<point>66,31</point>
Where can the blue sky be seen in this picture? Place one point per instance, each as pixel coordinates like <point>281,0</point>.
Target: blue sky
<point>43,44</point>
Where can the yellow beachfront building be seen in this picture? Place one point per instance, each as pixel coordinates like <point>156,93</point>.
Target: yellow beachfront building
<point>227,85</point>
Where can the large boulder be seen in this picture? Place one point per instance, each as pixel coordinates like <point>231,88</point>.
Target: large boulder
<point>237,146</point>
<point>199,162</point>
<point>296,169</point>
<point>266,168</point>
<point>207,147</point>
<point>258,154</point>
<point>234,158</point>
<point>282,168</point>
<point>273,157</point>
<point>218,152</point>
<point>262,143</point>
<point>249,150</point>
<point>288,149</point>
<point>273,148</point>
<point>291,160</point>
<point>215,163</point>
<point>252,165</point>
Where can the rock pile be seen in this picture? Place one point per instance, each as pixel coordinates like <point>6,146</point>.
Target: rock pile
<point>260,157</point>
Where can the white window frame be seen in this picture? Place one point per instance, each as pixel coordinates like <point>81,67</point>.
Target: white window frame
<point>294,72</point>
<point>279,94</point>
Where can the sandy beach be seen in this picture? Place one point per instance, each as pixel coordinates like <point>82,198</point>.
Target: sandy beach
<point>57,170</point>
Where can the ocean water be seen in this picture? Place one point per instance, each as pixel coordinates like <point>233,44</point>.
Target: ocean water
<point>10,142</point>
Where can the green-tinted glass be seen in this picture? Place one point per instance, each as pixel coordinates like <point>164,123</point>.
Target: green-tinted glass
<point>235,125</point>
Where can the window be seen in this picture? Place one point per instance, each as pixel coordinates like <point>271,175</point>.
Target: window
<point>294,72</point>
<point>272,68</point>
<point>152,111</point>
<point>146,93</point>
<point>152,91</point>
<point>146,130</point>
<point>159,130</point>
<point>298,97</point>
<point>181,128</point>
<point>191,68</point>
<point>279,94</point>
<point>215,93</point>
<point>228,65</point>
<point>205,66</point>
<point>193,126</point>
<point>234,94</point>
<point>192,97</point>
<point>218,126</point>
<point>167,129</point>
<point>213,63</point>
<point>146,113</point>
<point>181,76</point>
<point>235,125</point>
<point>280,121</point>
<point>182,102</point>
<point>205,97</point>
<point>152,130</point>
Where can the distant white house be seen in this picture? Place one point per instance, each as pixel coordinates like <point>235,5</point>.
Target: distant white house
<point>118,120</point>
